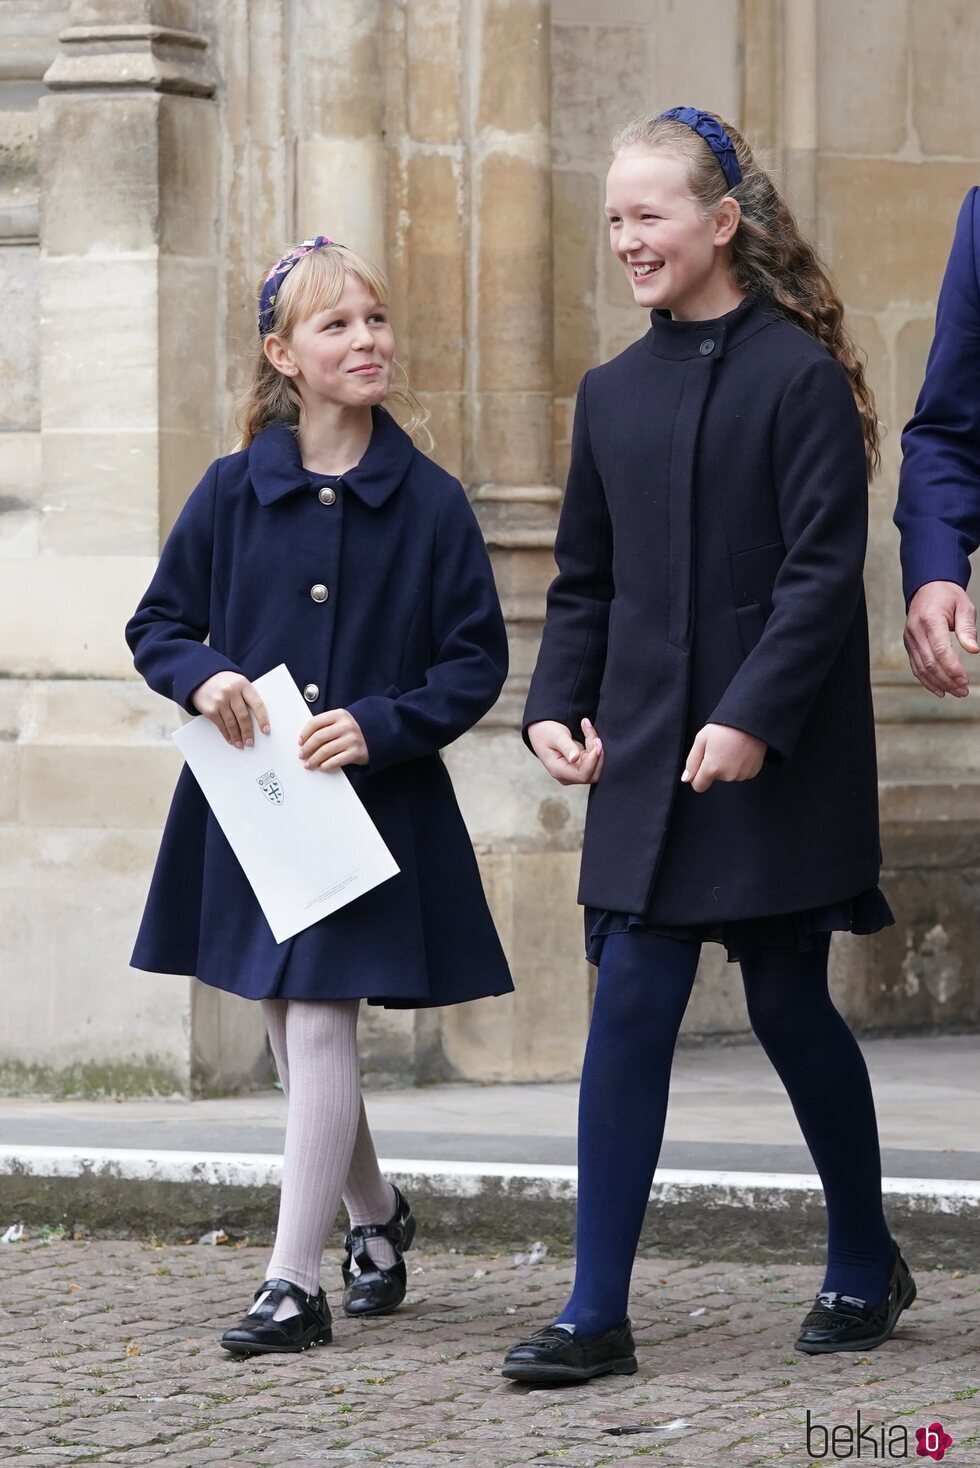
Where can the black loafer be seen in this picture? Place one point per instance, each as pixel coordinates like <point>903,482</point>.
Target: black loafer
<point>259,1333</point>
<point>373,1290</point>
<point>839,1323</point>
<point>557,1355</point>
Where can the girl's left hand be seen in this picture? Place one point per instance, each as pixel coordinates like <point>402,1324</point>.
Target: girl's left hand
<point>331,740</point>
<point>722,753</point>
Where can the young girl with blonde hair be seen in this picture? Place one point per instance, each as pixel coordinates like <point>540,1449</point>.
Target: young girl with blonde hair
<point>707,634</point>
<point>330,543</point>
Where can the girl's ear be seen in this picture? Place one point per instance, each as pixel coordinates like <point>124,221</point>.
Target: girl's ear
<point>279,355</point>
<point>727,217</point>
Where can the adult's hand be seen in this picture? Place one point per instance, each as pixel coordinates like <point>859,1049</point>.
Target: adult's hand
<point>567,761</point>
<point>722,753</point>
<point>938,609</point>
<point>229,700</point>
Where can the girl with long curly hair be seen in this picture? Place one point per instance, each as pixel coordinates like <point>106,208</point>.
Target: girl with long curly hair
<point>705,671</point>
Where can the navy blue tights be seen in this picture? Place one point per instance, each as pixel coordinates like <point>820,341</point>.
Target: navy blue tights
<point>644,985</point>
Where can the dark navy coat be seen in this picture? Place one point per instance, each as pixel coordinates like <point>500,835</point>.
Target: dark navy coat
<point>938,509</point>
<point>710,550</point>
<point>410,640</point>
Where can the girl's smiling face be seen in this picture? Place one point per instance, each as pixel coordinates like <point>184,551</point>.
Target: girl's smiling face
<point>343,356</point>
<point>676,259</point>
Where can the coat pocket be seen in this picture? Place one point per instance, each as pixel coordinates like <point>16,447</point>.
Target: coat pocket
<point>751,621</point>
<point>754,574</point>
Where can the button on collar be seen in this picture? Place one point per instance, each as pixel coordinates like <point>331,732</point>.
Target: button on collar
<point>327,496</point>
<point>706,347</point>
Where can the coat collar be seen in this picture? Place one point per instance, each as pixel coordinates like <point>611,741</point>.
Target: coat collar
<point>275,467</point>
<point>681,340</point>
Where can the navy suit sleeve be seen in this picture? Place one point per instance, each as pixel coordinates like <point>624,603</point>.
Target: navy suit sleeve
<point>469,651</point>
<point>821,483</point>
<point>572,657</point>
<point>166,632</point>
<point>938,511</point>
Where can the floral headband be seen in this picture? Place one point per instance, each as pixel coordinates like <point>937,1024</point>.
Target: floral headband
<point>714,135</point>
<point>278,273</point>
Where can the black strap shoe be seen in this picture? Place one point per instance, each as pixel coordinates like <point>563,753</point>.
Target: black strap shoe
<point>557,1355</point>
<point>842,1323</point>
<point>377,1291</point>
<point>258,1333</point>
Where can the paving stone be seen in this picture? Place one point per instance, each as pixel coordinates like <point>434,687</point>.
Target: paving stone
<point>125,1368</point>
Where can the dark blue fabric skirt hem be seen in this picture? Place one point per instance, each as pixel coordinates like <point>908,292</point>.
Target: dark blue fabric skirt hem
<point>801,932</point>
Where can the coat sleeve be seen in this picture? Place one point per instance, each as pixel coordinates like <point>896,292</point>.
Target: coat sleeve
<point>572,657</point>
<point>938,511</point>
<point>821,484</point>
<point>166,632</point>
<point>469,651</point>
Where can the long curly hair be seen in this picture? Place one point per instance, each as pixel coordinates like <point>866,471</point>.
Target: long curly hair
<point>770,259</point>
<point>316,283</point>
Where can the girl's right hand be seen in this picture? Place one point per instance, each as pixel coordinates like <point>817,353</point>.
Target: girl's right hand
<point>567,761</point>
<point>226,700</point>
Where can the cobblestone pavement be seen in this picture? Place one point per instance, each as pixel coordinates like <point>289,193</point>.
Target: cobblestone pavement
<point>110,1356</point>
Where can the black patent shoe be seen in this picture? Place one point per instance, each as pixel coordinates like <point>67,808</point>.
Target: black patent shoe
<point>839,1323</point>
<point>556,1355</point>
<point>258,1333</point>
<point>377,1291</point>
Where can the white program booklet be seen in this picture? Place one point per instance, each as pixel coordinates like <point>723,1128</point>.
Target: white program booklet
<point>304,840</point>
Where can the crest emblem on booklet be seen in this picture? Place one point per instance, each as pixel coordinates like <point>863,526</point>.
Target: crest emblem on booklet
<point>270,787</point>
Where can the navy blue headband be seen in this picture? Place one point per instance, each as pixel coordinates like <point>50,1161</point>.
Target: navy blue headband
<point>276,276</point>
<point>714,135</point>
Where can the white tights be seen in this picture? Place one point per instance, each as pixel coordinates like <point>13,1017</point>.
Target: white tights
<point>329,1152</point>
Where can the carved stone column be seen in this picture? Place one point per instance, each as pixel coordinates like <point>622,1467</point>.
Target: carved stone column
<point>470,231</point>
<point>881,203</point>
<point>130,191</point>
<point>336,107</point>
<point>129,194</point>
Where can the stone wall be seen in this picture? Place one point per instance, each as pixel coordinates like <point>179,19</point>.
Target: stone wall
<point>152,161</point>
<point>851,108</point>
<point>114,417</point>
<point>894,162</point>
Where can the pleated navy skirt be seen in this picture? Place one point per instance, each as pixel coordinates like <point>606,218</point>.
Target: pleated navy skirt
<point>800,932</point>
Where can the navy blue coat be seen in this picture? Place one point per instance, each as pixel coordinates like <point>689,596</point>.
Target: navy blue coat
<point>938,510</point>
<point>410,639</point>
<point>710,550</point>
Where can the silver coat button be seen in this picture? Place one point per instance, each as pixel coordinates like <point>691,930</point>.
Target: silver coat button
<point>319,592</point>
<point>327,495</point>
<point>311,693</point>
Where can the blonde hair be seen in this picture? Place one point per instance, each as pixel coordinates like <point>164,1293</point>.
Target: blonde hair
<point>770,259</point>
<point>316,283</point>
